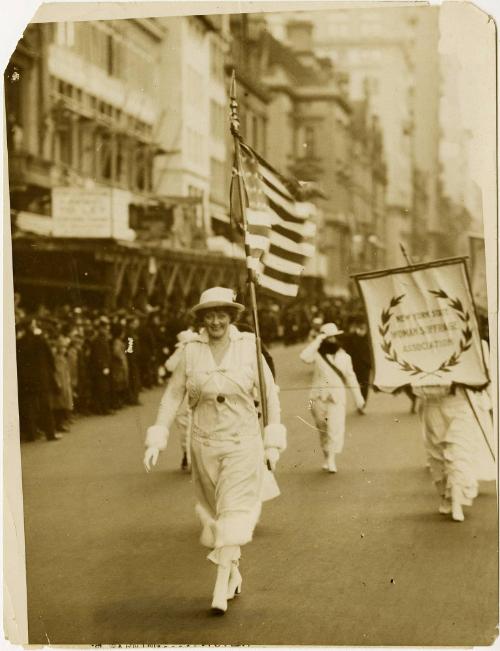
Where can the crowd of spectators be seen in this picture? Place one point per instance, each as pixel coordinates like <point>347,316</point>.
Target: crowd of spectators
<point>78,361</point>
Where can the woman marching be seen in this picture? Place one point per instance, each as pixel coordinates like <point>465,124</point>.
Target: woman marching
<point>333,373</point>
<point>459,441</point>
<point>218,372</point>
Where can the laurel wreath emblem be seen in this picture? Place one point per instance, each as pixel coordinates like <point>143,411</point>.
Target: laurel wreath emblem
<point>391,354</point>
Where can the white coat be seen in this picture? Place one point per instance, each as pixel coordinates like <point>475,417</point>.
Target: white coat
<point>328,394</point>
<point>227,451</point>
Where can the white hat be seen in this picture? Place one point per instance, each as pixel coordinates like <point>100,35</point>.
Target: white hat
<point>330,330</point>
<point>217,297</point>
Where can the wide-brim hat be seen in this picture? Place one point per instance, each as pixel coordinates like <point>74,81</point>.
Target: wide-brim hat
<point>330,330</point>
<point>217,297</point>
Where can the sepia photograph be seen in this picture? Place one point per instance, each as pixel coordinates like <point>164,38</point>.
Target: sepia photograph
<point>250,325</point>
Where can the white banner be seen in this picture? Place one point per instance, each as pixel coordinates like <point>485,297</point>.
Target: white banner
<point>423,326</point>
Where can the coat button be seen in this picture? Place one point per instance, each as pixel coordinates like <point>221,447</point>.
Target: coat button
<point>221,399</point>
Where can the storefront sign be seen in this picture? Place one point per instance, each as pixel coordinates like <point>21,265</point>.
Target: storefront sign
<point>80,212</point>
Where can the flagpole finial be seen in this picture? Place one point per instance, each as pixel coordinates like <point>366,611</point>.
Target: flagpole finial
<point>233,104</point>
<point>232,91</point>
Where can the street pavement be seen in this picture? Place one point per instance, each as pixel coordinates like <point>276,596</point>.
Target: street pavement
<point>360,557</point>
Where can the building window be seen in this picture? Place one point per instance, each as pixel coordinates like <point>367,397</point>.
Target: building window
<point>195,146</point>
<point>65,34</point>
<point>216,60</point>
<point>217,180</point>
<point>309,141</point>
<point>216,120</point>
<point>195,89</point>
<point>63,145</point>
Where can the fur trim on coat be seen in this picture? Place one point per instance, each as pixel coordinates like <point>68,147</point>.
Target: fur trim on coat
<point>157,437</point>
<point>275,436</point>
<point>236,528</point>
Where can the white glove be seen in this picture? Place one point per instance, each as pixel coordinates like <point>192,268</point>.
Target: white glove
<point>272,456</point>
<point>151,457</point>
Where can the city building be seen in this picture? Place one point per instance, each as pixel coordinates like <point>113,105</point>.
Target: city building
<point>87,104</point>
<point>311,135</point>
<point>392,52</point>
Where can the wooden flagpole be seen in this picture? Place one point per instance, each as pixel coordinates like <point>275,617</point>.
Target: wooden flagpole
<point>235,131</point>
<point>466,390</point>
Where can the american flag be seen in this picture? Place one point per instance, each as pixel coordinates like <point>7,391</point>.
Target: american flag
<point>257,212</point>
<point>280,230</point>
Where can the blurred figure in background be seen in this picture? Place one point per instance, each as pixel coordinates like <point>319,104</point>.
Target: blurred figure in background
<point>63,399</point>
<point>133,351</point>
<point>357,345</point>
<point>333,374</point>
<point>119,366</point>
<point>36,382</point>
<point>100,367</point>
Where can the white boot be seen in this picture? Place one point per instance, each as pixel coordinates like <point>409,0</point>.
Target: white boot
<point>332,466</point>
<point>226,557</point>
<point>219,599</point>
<point>235,581</point>
<point>445,506</point>
<point>457,513</point>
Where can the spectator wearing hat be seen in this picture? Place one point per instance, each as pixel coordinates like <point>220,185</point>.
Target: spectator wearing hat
<point>133,354</point>
<point>63,399</point>
<point>218,372</point>
<point>333,374</point>
<point>100,367</point>
<point>119,367</point>
<point>147,353</point>
<point>357,345</point>
<point>36,382</point>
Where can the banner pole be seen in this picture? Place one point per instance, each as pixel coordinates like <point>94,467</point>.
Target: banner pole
<point>405,254</point>
<point>471,405</point>
<point>235,131</point>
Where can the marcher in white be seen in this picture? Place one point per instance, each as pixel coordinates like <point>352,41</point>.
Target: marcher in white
<point>218,371</point>
<point>333,373</point>
<point>459,441</point>
<point>183,418</point>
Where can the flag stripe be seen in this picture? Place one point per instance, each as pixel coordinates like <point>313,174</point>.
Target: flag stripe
<point>273,184</point>
<point>285,232</point>
<point>263,231</point>
<point>286,243</point>
<point>278,287</point>
<point>283,276</point>
<point>260,242</point>
<point>284,265</point>
<point>299,229</point>
<point>276,250</point>
<point>285,208</point>
<point>259,217</point>
<point>284,213</point>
